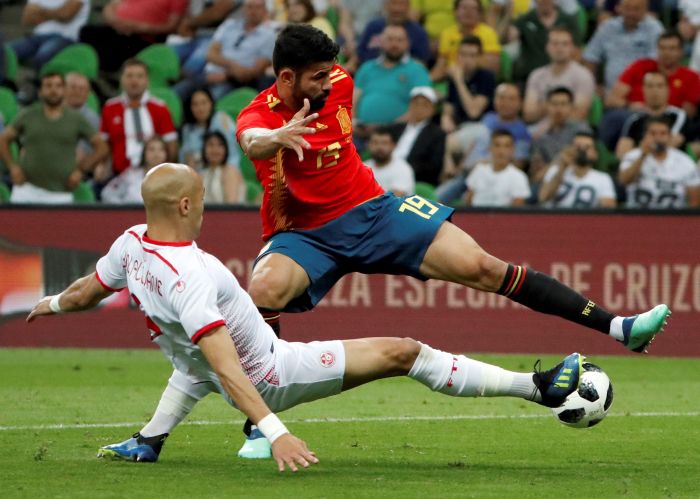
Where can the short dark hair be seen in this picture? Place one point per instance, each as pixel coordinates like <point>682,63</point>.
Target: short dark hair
<point>560,90</point>
<point>473,40</point>
<point>663,120</point>
<point>501,132</point>
<point>384,130</point>
<point>51,74</point>
<point>133,61</point>
<point>209,135</point>
<point>585,133</point>
<point>455,5</point>
<point>300,45</point>
<point>562,29</point>
<point>671,34</point>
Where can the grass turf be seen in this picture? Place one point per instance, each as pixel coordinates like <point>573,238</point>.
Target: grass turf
<point>495,447</point>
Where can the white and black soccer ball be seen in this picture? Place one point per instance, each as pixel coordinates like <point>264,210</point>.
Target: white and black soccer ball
<point>588,405</point>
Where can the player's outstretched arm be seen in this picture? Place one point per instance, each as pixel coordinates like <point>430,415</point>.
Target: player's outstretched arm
<point>220,351</point>
<point>83,294</point>
<point>263,143</point>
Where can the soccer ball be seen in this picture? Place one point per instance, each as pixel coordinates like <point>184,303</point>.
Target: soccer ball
<point>588,405</point>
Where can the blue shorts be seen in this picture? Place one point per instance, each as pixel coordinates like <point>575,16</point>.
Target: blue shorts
<point>386,235</point>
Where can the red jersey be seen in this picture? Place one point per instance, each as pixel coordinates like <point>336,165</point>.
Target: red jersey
<point>329,181</point>
<point>683,84</point>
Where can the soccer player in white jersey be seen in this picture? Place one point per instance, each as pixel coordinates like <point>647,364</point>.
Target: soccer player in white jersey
<point>657,175</point>
<point>218,342</point>
<point>573,183</point>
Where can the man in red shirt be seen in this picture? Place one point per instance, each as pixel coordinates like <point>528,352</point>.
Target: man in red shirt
<point>132,118</point>
<point>683,82</point>
<point>325,216</point>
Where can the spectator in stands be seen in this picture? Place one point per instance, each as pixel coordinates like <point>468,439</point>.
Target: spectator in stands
<point>609,8</point>
<point>223,182</point>
<point>393,174</point>
<point>125,188</point>
<point>572,182</point>
<point>562,71</point>
<point>200,118</point>
<point>622,40</point>
<point>55,23</point>
<point>396,12</point>
<point>303,11</point>
<point>501,13</point>
<point>420,141</point>
<point>133,117</point>
<point>49,132</point>
<point>77,93</point>
<point>239,54</point>
<point>353,17</point>
<point>469,88</point>
<point>657,175</point>
<point>195,31</point>
<point>131,26</point>
<point>383,85</point>
<point>470,143</point>
<point>498,182</point>
<point>531,32</point>
<point>468,17</point>
<point>555,132</point>
<point>683,83</point>
<point>689,28</point>
<point>656,92</point>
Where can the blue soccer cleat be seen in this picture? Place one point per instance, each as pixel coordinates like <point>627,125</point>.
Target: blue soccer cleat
<point>256,446</point>
<point>560,381</point>
<point>137,448</point>
<point>639,330</point>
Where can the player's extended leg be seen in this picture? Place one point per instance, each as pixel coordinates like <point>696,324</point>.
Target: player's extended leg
<point>276,280</point>
<point>456,375</point>
<point>177,401</point>
<point>455,256</point>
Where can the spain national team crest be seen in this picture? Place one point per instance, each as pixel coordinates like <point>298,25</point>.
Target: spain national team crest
<point>327,359</point>
<point>344,120</point>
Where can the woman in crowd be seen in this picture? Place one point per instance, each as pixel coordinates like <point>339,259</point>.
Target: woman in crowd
<point>223,183</point>
<point>126,187</point>
<point>200,118</point>
<point>303,11</point>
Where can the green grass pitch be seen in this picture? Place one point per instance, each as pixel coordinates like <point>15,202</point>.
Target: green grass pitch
<point>393,438</point>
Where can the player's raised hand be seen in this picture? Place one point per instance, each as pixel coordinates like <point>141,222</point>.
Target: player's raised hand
<point>291,134</point>
<point>291,451</point>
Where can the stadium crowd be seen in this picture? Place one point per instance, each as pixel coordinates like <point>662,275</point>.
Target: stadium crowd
<point>494,103</point>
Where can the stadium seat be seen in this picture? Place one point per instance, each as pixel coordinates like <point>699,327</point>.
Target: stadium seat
<point>247,169</point>
<point>505,70</point>
<point>595,114</point>
<point>84,194</point>
<point>234,101</point>
<point>79,57</point>
<point>582,22</point>
<point>163,64</point>
<point>253,190</point>
<point>172,101</point>
<point>93,102</point>
<point>426,190</point>
<point>11,64</point>
<point>8,104</point>
<point>4,193</point>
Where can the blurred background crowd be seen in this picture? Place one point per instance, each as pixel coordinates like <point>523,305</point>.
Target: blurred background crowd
<point>495,103</point>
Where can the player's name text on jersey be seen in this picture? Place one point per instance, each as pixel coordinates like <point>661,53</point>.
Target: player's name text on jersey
<point>136,270</point>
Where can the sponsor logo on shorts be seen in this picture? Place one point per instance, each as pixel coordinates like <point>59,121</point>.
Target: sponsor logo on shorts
<point>327,359</point>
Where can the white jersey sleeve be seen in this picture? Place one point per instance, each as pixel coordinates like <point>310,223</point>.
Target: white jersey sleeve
<point>194,300</point>
<point>110,269</point>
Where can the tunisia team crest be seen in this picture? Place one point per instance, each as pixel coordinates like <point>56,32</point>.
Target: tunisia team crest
<point>327,359</point>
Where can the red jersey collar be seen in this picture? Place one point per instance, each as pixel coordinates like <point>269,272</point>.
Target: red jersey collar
<point>148,240</point>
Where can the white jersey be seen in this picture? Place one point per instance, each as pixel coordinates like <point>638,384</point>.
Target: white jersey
<point>661,184</point>
<point>396,176</point>
<point>492,188</point>
<point>580,192</point>
<point>185,294</point>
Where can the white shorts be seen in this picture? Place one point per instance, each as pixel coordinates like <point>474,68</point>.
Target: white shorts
<point>30,193</point>
<point>302,372</point>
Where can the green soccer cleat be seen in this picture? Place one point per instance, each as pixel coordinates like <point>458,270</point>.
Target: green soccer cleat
<point>560,381</point>
<point>639,330</point>
<point>256,446</point>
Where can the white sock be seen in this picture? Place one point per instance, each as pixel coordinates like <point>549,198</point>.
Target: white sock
<point>460,376</point>
<point>616,328</point>
<point>173,407</point>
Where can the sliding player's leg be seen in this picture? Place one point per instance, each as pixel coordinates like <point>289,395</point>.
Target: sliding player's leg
<point>455,256</point>
<point>178,399</point>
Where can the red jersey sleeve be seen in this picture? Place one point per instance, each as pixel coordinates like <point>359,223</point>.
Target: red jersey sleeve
<point>162,121</point>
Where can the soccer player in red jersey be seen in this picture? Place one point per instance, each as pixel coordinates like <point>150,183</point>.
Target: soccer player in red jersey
<point>324,215</point>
